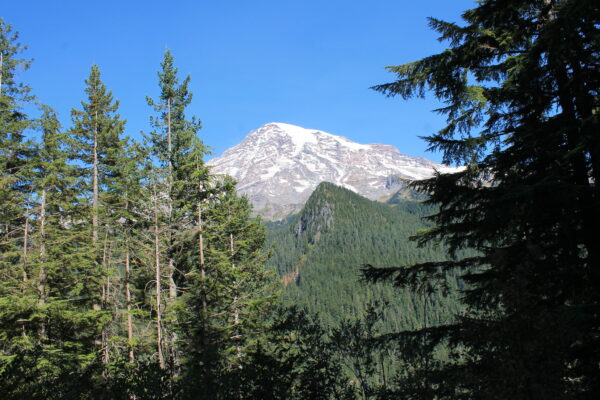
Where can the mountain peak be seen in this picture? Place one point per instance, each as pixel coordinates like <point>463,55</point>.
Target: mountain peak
<point>283,125</point>
<point>279,165</point>
<point>298,135</point>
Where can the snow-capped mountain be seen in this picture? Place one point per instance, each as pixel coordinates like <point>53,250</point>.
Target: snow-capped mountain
<point>279,165</point>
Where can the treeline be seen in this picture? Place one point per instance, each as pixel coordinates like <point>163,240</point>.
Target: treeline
<point>126,268</point>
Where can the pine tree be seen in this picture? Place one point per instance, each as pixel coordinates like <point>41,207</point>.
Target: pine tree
<point>97,146</point>
<point>179,151</point>
<point>54,354</point>
<point>250,292</point>
<point>16,305</point>
<point>65,324</point>
<point>229,292</point>
<point>520,84</point>
<point>129,218</point>
<point>14,154</point>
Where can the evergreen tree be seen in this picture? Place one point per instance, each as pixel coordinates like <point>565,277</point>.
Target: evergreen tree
<point>54,356</point>
<point>14,153</point>
<point>353,344</point>
<point>179,151</point>
<point>125,217</point>
<point>16,303</point>
<point>245,276</point>
<point>97,149</point>
<point>65,325</point>
<point>294,359</point>
<point>229,292</point>
<point>520,84</point>
<point>130,219</point>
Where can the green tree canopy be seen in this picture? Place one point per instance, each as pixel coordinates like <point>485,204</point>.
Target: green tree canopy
<point>520,86</point>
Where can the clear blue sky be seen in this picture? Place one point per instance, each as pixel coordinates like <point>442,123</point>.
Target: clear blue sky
<point>308,63</point>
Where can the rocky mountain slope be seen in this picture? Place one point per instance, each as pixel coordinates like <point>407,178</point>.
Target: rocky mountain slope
<point>279,165</point>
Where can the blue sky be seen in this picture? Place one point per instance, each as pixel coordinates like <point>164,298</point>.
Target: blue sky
<point>308,63</point>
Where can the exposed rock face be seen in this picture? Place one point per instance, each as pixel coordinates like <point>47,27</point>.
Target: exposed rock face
<point>279,165</point>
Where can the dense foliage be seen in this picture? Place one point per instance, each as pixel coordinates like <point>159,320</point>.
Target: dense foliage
<point>520,84</point>
<point>126,269</point>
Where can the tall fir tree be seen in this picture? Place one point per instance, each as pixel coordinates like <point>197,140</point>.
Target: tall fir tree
<point>229,293</point>
<point>65,325</point>
<point>520,85</point>
<point>16,303</point>
<point>128,217</point>
<point>179,151</point>
<point>14,153</point>
<point>97,147</point>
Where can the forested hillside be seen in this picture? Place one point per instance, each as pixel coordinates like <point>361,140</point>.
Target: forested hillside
<point>128,270</point>
<point>320,252</point>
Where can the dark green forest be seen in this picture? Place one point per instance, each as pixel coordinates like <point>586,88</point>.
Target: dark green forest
<point>321,251</point>
<point>129,271</point>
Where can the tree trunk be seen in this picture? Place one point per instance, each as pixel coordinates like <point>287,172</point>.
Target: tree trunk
<point>42,277</point>
<point>95,305</point>
<point>128,300</point>
<point>172,285</point>
<point>171,267</point>
<point>202,277</point>
<point>161,360</point>
<point>236,312</point>
<point>95,184</point>
<point>106,298</point>
<point>25,249</point>
<point>24,266</point>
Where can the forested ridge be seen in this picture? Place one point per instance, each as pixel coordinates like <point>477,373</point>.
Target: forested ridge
<point>320,253</point>
<point>129,271</point>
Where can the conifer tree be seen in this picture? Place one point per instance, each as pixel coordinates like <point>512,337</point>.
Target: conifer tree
<point>229,292</point>
<point>250,290</point>
<point>129,218</point>
<point>520,84</point>
<point>124,217</point>
<point>14,153</point>
<point>96,132</point>
<point>53,187</point>
<point>59,325</point>
<point>61,256</point>
<point>16,305</point>
<point>180,152</point>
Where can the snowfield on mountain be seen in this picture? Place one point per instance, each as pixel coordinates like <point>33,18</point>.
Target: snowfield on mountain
<point>279,165</point>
